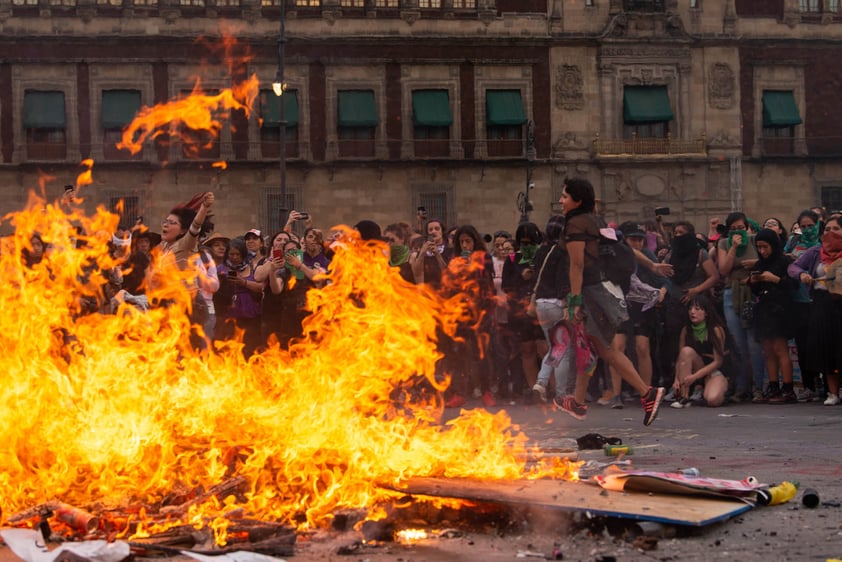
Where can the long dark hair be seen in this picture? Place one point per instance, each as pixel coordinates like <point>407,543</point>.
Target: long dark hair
<point>713,320</point>
<point>186,215</point>
<point>734,217</point>
<point>528,230</point>
<point>479,243</point>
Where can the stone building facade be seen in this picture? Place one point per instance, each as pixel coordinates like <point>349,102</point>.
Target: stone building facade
<point>702,106</point>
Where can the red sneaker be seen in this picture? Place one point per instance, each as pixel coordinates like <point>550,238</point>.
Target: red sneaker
<point>488,399</point>
<point>455,401</point>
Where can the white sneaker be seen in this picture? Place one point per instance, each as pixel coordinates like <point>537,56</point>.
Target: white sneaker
<point>682,403</point>
<point>805,395</point>
<point>832,400</point>
<point>540,391</point>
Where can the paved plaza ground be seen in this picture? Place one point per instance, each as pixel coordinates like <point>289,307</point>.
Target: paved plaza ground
<point>773,443</point>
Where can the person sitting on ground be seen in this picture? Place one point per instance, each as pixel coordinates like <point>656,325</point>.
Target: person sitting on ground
<point>701,356</point>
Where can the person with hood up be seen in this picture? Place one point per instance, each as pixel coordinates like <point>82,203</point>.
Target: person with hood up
<point>773,290</point>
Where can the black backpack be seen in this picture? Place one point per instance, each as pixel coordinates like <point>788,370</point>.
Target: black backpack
<point>616,261</point>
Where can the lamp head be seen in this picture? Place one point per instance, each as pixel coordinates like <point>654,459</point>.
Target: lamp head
<point>278,85</point>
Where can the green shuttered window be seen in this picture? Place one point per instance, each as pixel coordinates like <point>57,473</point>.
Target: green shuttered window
<point>357,109</point>
<point>646,104</point>
<point>504,107</point>
<point>119,107</point>
<point>431,108</point>
<point>43,110</point>
<point>779,109</point>
<point>270,108</point>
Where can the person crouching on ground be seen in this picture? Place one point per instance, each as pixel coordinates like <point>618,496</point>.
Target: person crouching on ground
<point>701,355</point>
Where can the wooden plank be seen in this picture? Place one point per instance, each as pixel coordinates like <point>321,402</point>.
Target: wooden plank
<point>582,497</point>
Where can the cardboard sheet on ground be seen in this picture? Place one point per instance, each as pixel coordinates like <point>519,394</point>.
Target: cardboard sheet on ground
<point>582,497</point>
<point>676,483</point>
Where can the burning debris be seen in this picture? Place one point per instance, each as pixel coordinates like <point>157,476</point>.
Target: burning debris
<point>117,414</point>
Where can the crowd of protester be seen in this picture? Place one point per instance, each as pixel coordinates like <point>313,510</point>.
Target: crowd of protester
<point>701,318</point>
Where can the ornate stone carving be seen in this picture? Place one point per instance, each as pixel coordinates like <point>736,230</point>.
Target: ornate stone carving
<point>643,51</point>
<point>721,86</point>
<point>410,16</point>
<point>569,87</point>
<point>650,185</point>
<point>638,25</point>
<point>330,16</point>
<point>724,139</point>
<point>487,16</point>
<point>568,141</point>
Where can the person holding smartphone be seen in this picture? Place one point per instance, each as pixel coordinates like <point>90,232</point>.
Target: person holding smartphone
<point>773,313</point>
<point>432,258</point>
<point>243,310</point>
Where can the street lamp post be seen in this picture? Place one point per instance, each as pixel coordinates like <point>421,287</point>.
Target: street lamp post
<point>278,87</point>
<point>524,204</point>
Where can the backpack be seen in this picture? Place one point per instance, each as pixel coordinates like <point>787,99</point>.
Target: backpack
<point>616,260</point>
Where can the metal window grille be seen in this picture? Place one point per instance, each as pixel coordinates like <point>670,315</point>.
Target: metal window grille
<point>436,205</point>
<point>832,198</point>
<point>277,208</point>
<point>127,207</point>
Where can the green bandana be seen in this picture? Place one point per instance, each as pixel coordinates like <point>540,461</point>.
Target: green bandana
<point>700,331</point>
<point>527,253</point>
<point>809,236</point>
<point>741,249</point>
<point>297,272</point>
<point>398,255</point>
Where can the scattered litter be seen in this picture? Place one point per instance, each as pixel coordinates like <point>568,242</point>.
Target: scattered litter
<point>810,498</point>
<point>239,556</point>
<point>775,495</point>
<point>617,450</point>
<point>652,529</point>
<point>596,441</point>
<point>645,542</point>
<point>29,545</point>
<point>450,534</point>
<point>530,554</point>
<point>592,467</point>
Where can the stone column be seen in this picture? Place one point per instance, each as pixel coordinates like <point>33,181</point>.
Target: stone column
<point>607,91</point>
<point>684,77</point>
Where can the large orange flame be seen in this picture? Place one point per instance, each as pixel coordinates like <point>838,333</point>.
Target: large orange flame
<point>199,112</point>
<point>118,411</point>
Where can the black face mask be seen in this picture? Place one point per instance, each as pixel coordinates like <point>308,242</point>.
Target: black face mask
<point>685,244</point>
